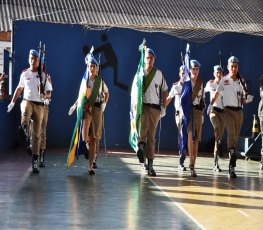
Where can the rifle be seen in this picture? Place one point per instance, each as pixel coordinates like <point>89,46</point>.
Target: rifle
<point>221,61</point>
<point>42,54</point>
<point>243,83</point>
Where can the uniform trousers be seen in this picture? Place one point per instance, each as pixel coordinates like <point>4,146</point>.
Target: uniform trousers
<point>195,124</point>
<point>233,125</point>
<point>149,123</point>
<point>43,135</point>
<point>35,112</point>
<point>218,122</point>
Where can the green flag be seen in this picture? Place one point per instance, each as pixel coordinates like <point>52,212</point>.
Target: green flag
<point>136,100</point>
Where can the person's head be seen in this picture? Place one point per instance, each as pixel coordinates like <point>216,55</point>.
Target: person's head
<point>233,66</point>
<point>194,68</point>
<point>92,65</point>
<point>149,57</point>
<point>33,59</point>
<point>181,73</point>
<point>218,72</point>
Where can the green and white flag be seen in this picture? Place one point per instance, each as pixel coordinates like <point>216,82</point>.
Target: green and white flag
<point>136,100</point>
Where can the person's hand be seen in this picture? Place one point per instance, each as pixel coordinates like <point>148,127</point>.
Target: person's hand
<point>209,109</point>
<point>103,106</point>
<point>163,111</point>
<point>72,109</point>
<point>249,98</point>
<point>46,101</point>
<point>10,106</point>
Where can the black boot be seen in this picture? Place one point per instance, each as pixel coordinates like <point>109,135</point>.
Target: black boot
<point>42,158</point>
<point>216,167</point>
<point>95,166</point>
<point>85,149</point>
<point>181,166</point>
<point>141,152</point>
<point>151,171</point>
<point>192,170</point>
<point>232,163</point>
<point>220,149</point>
<point>35,163</point>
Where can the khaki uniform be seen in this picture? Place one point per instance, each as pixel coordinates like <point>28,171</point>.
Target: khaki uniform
<point>216,115</point>
<point>232,93</point>
<point>32,107</point>
<point>151,113</point>
<point>43,135</point>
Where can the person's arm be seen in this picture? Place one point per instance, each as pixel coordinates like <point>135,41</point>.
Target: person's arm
<point>164,97</point>
<point>17,93</point>
<point>168,100</point>
<point>107,95</point>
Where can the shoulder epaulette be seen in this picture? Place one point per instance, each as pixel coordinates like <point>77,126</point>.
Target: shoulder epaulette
<point>211,81</point>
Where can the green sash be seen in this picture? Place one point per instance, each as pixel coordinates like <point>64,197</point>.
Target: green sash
<point>148,79</point>
<point>95,91</point>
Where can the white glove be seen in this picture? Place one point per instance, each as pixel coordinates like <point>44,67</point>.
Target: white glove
<point>209,109</point>
<point>103,106</point>
<point>10,106</point>
<point>163,111</point>
<point>72,109</point>
<point>46,101</point>
<point>249,98</point>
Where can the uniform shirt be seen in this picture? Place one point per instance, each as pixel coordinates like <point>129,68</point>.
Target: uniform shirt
<point>176,93</point>
<point>211,87</point>
<point>157,85</point>
<point>30,82</point>
<point>102,90</point>
<point>199,95</point>
<point>232,92</point>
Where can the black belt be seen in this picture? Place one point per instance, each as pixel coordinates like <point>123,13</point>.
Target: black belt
<point>217,109</point>
<point>233,108</point>
<point>198,107</point>
<point>97,104</point>
<point>154,106</point>
<point>37,103</point>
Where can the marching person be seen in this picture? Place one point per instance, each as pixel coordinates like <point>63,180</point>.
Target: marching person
<point>216,115</point>
<point>32,105</point>
<point>154,92</point>
<point>176,93</point>
<point>260,115</point>
<point>194,127</point>
<point>97,95</point>
<point>235,94</point>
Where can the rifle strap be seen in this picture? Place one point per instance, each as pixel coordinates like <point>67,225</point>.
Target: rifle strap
<point>95,91</point>
<point>148,79</point>
<point>196,88</point>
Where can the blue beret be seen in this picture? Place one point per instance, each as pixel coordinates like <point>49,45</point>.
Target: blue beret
<point>149,50</point>
<point>233,59</point>
<point>90,59</point>
<point>218,68</point>
<point>195,63</point>
<point>181,68</point>
<point>34,53</point>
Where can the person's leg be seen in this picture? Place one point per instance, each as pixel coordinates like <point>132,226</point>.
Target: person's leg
<point>43,138</point>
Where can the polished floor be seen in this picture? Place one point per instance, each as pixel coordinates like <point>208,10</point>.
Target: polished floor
<point>122,196</point>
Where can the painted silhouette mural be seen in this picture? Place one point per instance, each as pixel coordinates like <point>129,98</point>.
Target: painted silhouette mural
<point>111,60</point>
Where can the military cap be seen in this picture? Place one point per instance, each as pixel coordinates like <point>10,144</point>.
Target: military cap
<point>149,50</point>
<point>181,68</point>
<point>218,68</point>
<point>195,63</point>
<point>34,53</point>
<point>233,59</point>
<point>90,59</point>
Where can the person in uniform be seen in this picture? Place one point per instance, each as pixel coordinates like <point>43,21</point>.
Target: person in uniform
<point>216,115</point>
<point>97,97</point>
<point>176,93</point>
<point>194,127</point>
<point>43,135</point>
<point>260,115</point>
<point>235,94</point>
<point>154,92</point>
<point>32,105</point>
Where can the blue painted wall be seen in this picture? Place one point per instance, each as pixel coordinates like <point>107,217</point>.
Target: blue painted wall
<point>65,63</point>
